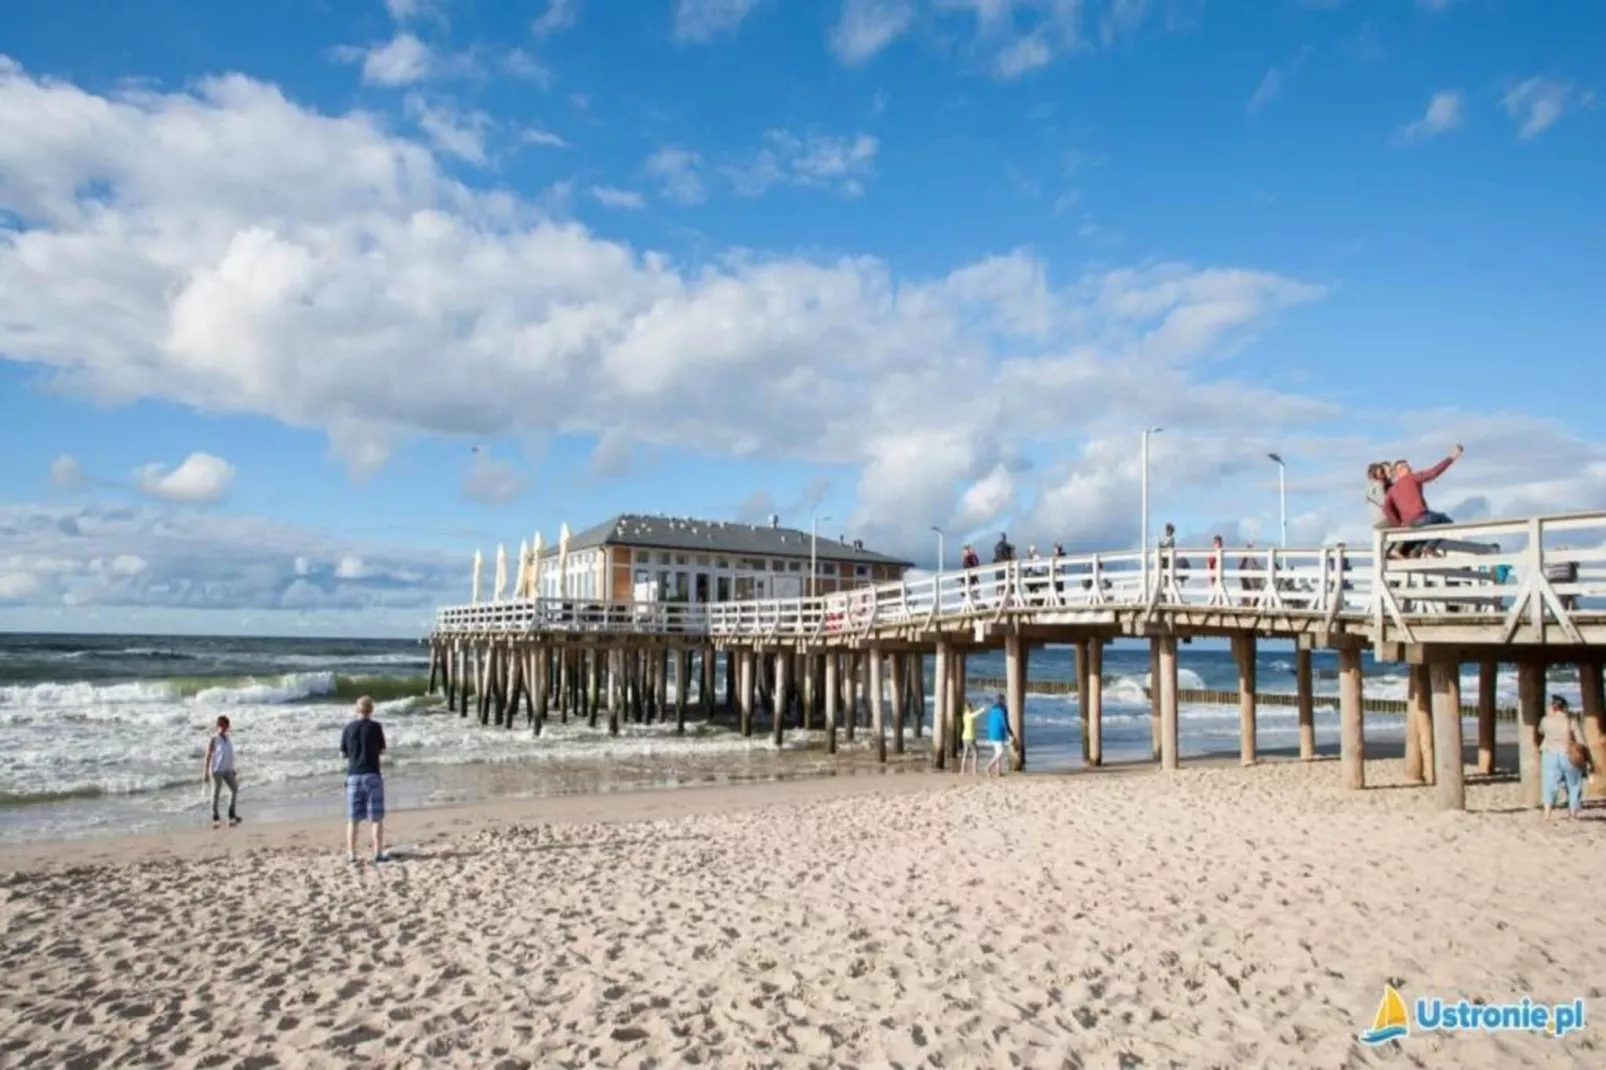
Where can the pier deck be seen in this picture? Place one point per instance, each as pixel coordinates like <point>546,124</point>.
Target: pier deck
<point>1529,591</point>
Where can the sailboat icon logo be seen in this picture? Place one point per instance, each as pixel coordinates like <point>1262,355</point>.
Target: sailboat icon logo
<point>1391,1021</point>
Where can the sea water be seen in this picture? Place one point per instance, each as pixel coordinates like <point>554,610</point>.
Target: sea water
<point>102,734</point>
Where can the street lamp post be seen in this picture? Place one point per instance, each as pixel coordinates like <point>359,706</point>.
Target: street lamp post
<point>814,539</point>
<point>1282,497</point>
<point>1144,546</point>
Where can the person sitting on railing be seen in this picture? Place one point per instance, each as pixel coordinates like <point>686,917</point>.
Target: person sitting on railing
<point>1565,757</point>
<point>1054,568</point>
<point>969,561</point>
<point>1405,505</point>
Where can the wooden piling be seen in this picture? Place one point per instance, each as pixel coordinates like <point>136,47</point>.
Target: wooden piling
<point>615,690</point>
<point>1079,666</point>
<point>783,665</point>
<point>1306,705</point>
<point>515,688</point>
<point>1169,739</point>
<point>434,667</point>
<point>917,690</point>
<point>851,664</point>
<point>1351,719</point>
<point>593,697</point>
<point>1530,710</point>
<point>1487,670</point>
<point>939,709</point>
<point>682,688</point>
<point>1093,659</point>
<point>1450,788</point>
<point>1422,681</point>
<point>1155,728</point>
<point>705,683</point>
<point>1413,733</point>
<point>744,690</point>
<point>1015,676</point>
<point>958,698</point>
<point>482,703</point>
<point>1594,715</point>
<point>833,697</point>
<point>898,685</point>
<point>660,659</point>
<point>541,673</point>
<point>878,713</point>
<point>1245,649</point>
<point>732,685</point>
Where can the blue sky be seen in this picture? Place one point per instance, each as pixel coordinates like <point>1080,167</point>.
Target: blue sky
<point>270,274</point>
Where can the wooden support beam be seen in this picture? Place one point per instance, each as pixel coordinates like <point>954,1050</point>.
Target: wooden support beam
<point>958,698</point>
<point>744,690</point>
<point>542,671</point>
<point>833,697</point>
<point>515,675</point>
<point>1351,719</point>
<point>1306,705</point>
<point>939,709</point>
<point>1415,700</point>
<point>615,688</point>
<point>434,667</point>
<point>1154,696</point>
<point>852,664</point>
<point>897,683</point>
<point>1168,736</point>
<point>660,667</point>
<point>1246,698</point>
<point>482,707</point>
<point>917,690</point>
<point>1093,720</point>
<point>783,665</point>
<point>682,688</point>
<point>593,660</point>
<point>1530,710</point>
<point>1423,683</point>
<point>1488,669</point>
<point>811,689</point>
<point>1079,665</point>
<point>1593,709</point>
<point>705,683</point>
<point>1450,789</point>
<point>878,719</point>
<point>1015,677</point>
<point>565,692</point>
<point>732,684</point>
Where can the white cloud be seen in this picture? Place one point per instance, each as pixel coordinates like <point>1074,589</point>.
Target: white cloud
<point>987,499</point>
<point>492,481</point>
<point>676,170</point>
<point>820,161</point>
<point>67,474</point>
<point>1537,104</point>
<point>1275,81</point>
<point>454,133</point>
<point>246,255</point>
<point>544,138</point>
<point>402,10</point>
<point>1444,113</point>
<point>703,20</point>
<point>559,15</point>
<point>403,60</point>
<point>617,198</point>
<point>200,479</point>
<point>520,64</point>
<point>141,559</point>
<point>865,27</point>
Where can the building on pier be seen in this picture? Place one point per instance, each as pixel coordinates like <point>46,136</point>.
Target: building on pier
<point>636,557</point>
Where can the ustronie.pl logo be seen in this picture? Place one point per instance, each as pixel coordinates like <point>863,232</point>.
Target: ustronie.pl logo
<point>1464,1016</point>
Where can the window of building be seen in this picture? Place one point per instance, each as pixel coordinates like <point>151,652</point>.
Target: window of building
<point>680,559</point>
<point>702,559</point>
<point>643,557</point>
<point>722,589</point>
<point>745,588</point>
<point>861,571</point>
<point>777,566</point>
<point>721,562</point>
<point>828,568</point>
<point>663,558</point>
<point>795,566</point>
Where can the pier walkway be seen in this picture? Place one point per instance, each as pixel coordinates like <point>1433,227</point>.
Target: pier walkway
<point>1528,591</point>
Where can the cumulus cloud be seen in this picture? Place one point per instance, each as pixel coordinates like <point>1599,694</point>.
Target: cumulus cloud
<point>1538,103</point>
<point>403,60</point>
<point>676,170</point>
<point>617,198</point>
<point>1444,113</point>
<point>865,27</point>
<point>200,479</point>
<point>559,15</point>
<point>1274,81</point>
<point>704,20</point>
<point>66,473</point>
<point>243,254</point>
<point>823,161</point>
<point>492,481</point>
<point>456,134</point>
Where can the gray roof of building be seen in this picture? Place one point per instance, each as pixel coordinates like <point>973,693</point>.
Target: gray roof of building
<point>718,536</point>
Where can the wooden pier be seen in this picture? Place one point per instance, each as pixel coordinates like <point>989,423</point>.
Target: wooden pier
<point>1529,592</point>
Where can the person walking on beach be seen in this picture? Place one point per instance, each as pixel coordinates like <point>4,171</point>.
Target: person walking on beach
<point>998,733</point>
<point>1563,756</point>
<point>967,736</point>
<point>361,744</point>
<point>218,768</point>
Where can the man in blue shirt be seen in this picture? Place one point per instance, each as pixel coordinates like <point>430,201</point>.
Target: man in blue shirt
<point>361,744</point>
<point>998,733</point>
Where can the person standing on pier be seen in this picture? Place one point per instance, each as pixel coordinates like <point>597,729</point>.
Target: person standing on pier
<point>218,767</point>
<point>361,744</point>
<point>998,734</point>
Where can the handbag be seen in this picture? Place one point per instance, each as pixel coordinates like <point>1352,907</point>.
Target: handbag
<point>1577,754</point>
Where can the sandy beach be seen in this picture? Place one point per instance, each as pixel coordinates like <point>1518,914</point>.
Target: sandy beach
<point>1214,917</point>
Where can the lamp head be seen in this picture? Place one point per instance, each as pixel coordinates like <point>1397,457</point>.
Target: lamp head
<point>1275,458</point>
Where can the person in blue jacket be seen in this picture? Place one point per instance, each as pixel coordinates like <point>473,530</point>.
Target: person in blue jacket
<point>998,734</point>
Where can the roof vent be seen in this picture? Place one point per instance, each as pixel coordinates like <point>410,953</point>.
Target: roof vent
<point>775,520</point>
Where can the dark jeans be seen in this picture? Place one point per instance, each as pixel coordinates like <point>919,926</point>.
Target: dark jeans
<point>1427,520</point>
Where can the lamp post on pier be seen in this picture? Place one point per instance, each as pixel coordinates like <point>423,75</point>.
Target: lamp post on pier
<point>1282,497</point>
<point>1143,559</point>
<point>814,540</point>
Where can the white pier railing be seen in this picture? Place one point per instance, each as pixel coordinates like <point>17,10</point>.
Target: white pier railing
<point>1540,571</point>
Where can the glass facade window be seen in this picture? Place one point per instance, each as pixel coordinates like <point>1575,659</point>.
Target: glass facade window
<point>862,571</point>
<point>702,559</point>
<point>828,568</point>
<point>723,589</point>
